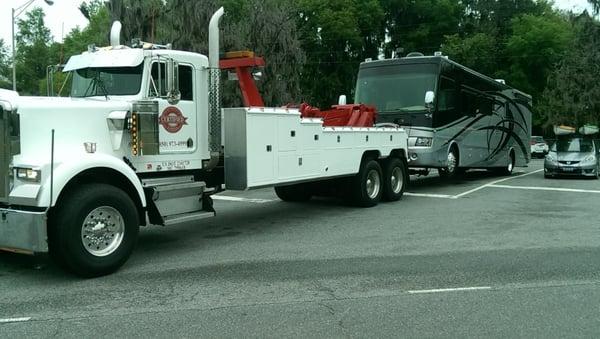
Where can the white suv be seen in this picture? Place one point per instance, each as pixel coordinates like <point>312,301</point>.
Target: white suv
<point>539,147</point>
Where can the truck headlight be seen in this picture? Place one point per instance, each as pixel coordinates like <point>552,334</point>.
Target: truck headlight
<point>28,174</point>
<point>423,142</point>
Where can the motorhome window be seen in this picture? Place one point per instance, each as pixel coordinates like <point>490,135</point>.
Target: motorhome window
<point>447,96</point>
<point>101,81</point>
<point>396,88</point>
<point>186,82</point>
<point>469,101</point>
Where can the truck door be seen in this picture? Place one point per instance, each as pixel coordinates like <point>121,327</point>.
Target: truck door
<point>177,122</point>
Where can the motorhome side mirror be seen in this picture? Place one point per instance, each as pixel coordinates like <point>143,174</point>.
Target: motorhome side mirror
<point>429,98</point>
<point>173,94</point>
<point>342,100</point>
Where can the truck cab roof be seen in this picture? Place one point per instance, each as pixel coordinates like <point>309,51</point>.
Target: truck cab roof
<point>122,56</point>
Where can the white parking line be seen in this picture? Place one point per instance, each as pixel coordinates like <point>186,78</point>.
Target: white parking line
<point>494,183</point>
<point>444,290</point>
<point>238,199</point>
<point>424,195</point>
<point>557,189</point>
<point>14,320</point>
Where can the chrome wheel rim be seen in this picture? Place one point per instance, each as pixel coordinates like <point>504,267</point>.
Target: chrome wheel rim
<point>397,180</point>
<point>373,184</point>
<point>102,231</point>
<point>510,166</point>
<point>451,162</point>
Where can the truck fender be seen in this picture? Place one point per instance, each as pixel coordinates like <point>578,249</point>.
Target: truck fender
<point>68,170</point>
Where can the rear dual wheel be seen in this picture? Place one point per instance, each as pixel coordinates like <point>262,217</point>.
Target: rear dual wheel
<point>395,179</point>
<point>367,186</point>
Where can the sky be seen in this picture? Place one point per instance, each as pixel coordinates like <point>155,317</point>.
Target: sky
<point>65,13</point>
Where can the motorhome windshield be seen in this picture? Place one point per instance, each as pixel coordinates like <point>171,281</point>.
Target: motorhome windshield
<point>89,82</point>
<point>396,88</point>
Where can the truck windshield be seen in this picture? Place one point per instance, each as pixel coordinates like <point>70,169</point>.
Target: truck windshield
<point>89,82</point>
<point>396,88</point>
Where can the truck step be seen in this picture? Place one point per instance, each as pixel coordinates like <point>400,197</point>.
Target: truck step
<point>187,217</point>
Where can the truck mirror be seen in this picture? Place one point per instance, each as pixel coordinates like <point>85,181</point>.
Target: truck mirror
<point>173,94</point>
<point>342,100</point>
<point>429,98</point>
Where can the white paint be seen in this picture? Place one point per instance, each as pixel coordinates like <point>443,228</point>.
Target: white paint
<point>425,195</point>
<point>238,199</point>
<point>494,183</point>
<point>14,320</point>
<point>556,189</point>
<point>444,290</point>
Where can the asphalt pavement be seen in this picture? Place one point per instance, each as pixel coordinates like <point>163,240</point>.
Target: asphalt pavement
<point>489,256</point>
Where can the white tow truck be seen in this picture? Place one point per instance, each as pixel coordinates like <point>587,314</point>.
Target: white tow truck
<point>142,140</point>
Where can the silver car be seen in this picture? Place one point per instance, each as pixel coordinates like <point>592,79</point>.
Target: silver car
<point>572,156</point>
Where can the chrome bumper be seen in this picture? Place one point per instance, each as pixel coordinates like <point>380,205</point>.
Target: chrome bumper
<point>23,231</point>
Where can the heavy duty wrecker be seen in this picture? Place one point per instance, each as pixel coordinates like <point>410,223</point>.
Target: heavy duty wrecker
<point>142,140</point>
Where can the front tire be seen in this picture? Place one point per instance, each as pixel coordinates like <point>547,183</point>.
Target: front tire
<point>508,169</point>
<point>451,171</point>
<point>394,179</point>
<point>94,230</point>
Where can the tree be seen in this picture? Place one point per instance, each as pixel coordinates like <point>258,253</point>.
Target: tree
<point>268,27</point>
<point>32,41</point>
<point>573,88</point>
<point>536,45</point>
<point>595,6</point>
<point>420,26</point>
<point>5,66</point>
<point>95,32</point>
<point>478,51</point>
<point>336,36</point>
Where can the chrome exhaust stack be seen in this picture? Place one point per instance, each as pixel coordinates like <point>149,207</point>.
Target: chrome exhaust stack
<point>214,95</point>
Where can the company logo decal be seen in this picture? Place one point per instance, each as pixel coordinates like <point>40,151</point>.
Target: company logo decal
<point>172,119</point>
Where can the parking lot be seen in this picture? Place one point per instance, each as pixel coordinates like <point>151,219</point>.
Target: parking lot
<point>480,256</point>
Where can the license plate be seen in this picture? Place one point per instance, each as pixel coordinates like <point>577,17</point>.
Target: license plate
<point>568,169</point>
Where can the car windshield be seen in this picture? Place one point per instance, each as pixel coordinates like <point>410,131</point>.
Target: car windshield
<point>573,145</point>
<point>396,88</point>
<point>538,140</point>
<point>89,82</point>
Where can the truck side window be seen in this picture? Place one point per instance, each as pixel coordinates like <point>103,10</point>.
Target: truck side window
<point>154,84</point>
<point>186,82</point>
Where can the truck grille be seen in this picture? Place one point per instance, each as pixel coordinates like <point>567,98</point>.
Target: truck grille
<point>9,137</point>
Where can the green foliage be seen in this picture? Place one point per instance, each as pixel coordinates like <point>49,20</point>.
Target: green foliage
<point>32,41</point>
<point>336,36</point>
<point>420,26</point>
<point>478,51</point>
<point>571,96</point>
<point>313,47</point>
<point>536,45</point>
<point>5,66</point>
